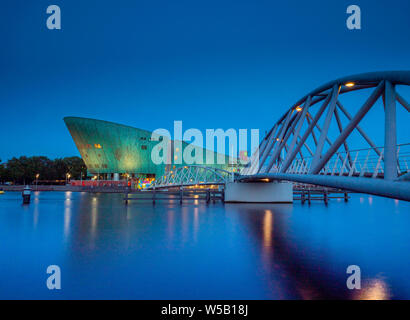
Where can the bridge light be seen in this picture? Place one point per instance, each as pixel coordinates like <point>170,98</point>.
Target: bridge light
<point>349,84</point>
<point>298,108</point>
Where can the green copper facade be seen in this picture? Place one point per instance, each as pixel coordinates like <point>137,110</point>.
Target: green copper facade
<point>109,148</point>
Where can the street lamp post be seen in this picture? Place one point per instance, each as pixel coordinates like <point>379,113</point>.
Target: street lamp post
<point>67,177</point>
<point>37,175</point>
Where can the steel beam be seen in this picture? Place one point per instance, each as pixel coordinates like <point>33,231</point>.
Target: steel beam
<point>349,128</point>
<point>299,126</point>
<point>326,125</point>
<point>339,124</point>
<point>258,153</point>
<point>313,131</point>
<point>269,145</point>
<point>363,134</point>
<point>293,153</point>
<point>320,131</point>
<point>282,143</point>
<point>390,133</point>
<point>403,102</point>
<point>279,139</point>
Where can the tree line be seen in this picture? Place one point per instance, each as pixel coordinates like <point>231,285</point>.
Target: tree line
<point>24,170</point>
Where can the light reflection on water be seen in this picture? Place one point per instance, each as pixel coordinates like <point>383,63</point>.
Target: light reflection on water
<point>373,289</point>
<point>197,251</point>
<point>267,228</point>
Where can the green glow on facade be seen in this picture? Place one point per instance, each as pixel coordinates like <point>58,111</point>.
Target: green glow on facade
<point>108,148</point>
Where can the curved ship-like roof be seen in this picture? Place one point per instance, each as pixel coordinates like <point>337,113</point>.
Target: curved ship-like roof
<point>108,147</point>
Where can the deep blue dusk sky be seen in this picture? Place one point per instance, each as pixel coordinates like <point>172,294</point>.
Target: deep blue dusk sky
<point>212,64</point>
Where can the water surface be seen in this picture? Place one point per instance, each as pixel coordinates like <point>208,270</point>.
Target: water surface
<point>107,250</point>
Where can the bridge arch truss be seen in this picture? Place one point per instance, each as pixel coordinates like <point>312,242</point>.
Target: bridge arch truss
<point>312,137</point>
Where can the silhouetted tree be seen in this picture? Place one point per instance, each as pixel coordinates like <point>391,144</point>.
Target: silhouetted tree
<point>24,169</point>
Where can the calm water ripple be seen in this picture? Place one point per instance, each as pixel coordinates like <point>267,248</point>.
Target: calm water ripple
<point>107,250</point>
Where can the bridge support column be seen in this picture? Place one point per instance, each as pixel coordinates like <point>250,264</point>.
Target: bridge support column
<point>390,138</point>
<point>259,192</point>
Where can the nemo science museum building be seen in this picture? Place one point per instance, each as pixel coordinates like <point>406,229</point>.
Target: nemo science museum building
<point>115,152</point>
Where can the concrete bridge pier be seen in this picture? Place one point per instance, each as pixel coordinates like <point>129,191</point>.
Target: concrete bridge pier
<point>259,192</point>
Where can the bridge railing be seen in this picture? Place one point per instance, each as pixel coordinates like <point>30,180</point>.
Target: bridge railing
<point>367,162</point>
<point>193,175</point>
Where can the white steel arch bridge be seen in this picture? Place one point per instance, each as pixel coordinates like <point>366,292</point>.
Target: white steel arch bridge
<point>310,143</point>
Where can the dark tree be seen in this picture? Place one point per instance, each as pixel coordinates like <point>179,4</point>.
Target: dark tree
<point>25,169</point>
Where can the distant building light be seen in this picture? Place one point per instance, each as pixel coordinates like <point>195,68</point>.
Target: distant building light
<point>97,146</point>
<point>298,108</point>
<point>349,84</point>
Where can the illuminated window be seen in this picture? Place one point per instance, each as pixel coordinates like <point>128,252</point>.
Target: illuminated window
<point>97,146</point>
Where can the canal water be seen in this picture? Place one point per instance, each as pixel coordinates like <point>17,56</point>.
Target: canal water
<point>107,250</point>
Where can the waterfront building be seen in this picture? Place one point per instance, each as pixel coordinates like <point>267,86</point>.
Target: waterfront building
<point>114,151</point>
